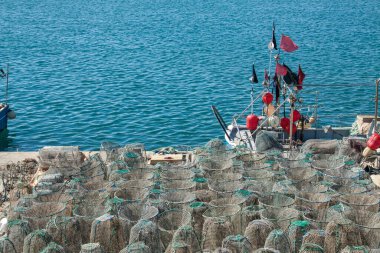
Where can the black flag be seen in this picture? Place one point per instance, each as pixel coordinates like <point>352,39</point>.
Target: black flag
<point>254,79</point>
<point>2,73</point>
<point>290,77</point>
<point>274,37</point>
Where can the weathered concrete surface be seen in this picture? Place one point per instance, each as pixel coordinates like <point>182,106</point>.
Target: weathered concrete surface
<point>7,157</point>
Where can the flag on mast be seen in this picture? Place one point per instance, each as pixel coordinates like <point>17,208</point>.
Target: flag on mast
<point>266,76</point>
<point>274,43</point>
<point>281,69</point>
<point>287,44</point>
<point>253,78</point>
<point>301,75</point>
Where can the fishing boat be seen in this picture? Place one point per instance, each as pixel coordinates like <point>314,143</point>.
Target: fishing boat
<point>283,117</point>
<point>5,111</point>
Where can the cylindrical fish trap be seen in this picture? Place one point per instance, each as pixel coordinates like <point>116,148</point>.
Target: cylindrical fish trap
<point>131,213</point>
<point>212,167</point>
<point>196,210</point>
<point>302,176</point>
<point>117,175</point>
<point>314,201</point>
<point>177,174</point>
<point>229,213</point>
<point>92,248</point>
<point>285,187</point>
<point>259,187</point>
<point>285,164</point>
<point>108,231</point>
<point>311,248</point>
<point>147,232</point>
<point>187,235</point>
<point>57,197</point>
<point>137,247</point>
<point>40,213</point>
<point>278,240</point>
<point>338,236</point>
<point>214,231</point>
<point>54,248</point>
<point>225,189</point>
<point>115,166</point>
<point>17,230</point>
<point>223,202</point>
<point>200,183</point>
<point>275,201</point>
<point>361,202</point>
<point>250,197</point>
<point>368,223</point>
<point>36,241</point>
<point>313,237</point>
<point>7,246</point>
<point>222,250</point>
<point>357,249</point>
<point>175,200</point>
<point>133,159</point>
<point>248,214</point>
<point>205,195</point>
<point>224,177</point>
<point>178,247</point>
<point>94,166</point>
<point>259,175</point>
<point>86,213</point>
<point>341,176</point>
<point>178,185</point>
<point>96,185</point>
<point>324,162</point>
<point>317,219</point>
<point>314,188</point>
<point>169,221</point>
<point>132,195</point>
<point>66,231</point>
<point>138,184</point>
<point>280,217</point>
<point>266,250</point>
<point>257,231</point>
<point>349,189</point>
<point>297,230</point>
<point>237,244</point>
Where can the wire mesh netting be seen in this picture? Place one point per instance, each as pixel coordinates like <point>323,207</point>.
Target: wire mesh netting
<point>257,231</point>
<point>219,200</point>
<point>39,213</point>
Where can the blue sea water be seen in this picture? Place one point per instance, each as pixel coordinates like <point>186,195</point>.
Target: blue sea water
<point>83,72</point>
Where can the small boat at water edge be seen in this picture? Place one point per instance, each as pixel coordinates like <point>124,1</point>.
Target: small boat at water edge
<point>5,111</point>
<point>285,117</point>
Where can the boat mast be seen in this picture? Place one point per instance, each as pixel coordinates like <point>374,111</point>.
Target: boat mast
<point>6,84</point>
<point>376,102</point>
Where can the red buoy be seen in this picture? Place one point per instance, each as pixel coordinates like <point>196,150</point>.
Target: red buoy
<point>284,123</point>
<point>267,98</point>
<point>252,122</point>
<point>296,116</point>
<point>294,129</point>
<point>374,141</point>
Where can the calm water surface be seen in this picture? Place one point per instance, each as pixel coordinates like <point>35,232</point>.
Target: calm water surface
<point>83,72</point>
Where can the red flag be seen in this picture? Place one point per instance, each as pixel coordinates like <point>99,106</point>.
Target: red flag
<point>287,44</point>
<point>301,75</point>
<point>281,69</point>
<point>266,76</point>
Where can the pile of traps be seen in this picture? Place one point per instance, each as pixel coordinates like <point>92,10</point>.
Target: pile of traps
<point>221,201</point>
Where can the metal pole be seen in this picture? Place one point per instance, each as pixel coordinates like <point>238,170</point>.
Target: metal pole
<point>291,125</point>
<point>6,85</point>
<point>376,102</point>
